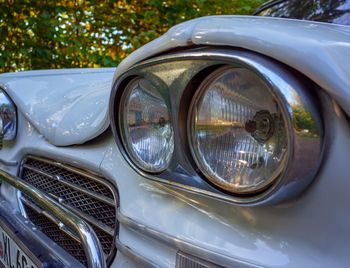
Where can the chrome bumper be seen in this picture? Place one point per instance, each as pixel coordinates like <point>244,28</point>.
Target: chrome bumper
<point>89,241</point>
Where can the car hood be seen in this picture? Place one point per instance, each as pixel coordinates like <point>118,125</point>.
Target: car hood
<point>321,51</point>
<point>67,107</point>
<point>71,106</point>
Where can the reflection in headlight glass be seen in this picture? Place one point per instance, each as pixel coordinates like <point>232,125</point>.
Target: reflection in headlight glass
<point>147,126</point>
<point>8,118</point>
<point>238,133</point>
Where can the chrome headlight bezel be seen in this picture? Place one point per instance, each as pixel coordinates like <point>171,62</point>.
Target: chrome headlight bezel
<point>182,73</point>
<point>8,117</point>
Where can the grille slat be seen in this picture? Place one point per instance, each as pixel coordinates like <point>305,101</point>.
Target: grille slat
<point>51,230</point>
<point>92,221</point>
<point>61,179</point>
<point>35,209</point>
<point>66,195</point>
<point>184,260</point>
<point>71,174</point>
<point>86,195</point>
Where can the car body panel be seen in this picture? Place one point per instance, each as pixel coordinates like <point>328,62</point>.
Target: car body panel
<point>66,106</point>
<point>310,231</point>
<point>320,51</point>
<point>300,233</point>
<point>61,110</point>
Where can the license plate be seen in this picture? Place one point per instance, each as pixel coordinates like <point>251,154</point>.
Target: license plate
<point>15,255</point>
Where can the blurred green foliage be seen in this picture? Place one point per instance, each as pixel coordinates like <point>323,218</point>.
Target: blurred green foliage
<point>38,34</point>
<point>303,121</point>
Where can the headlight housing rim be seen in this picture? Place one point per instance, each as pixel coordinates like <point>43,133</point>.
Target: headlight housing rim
<point>211,178</point>
<point>291,183</point>
<point>125,137</point>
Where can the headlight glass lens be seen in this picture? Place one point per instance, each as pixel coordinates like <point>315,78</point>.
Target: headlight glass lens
<point>237,131</point>
<point>146,126</point>
<point>8,118</point>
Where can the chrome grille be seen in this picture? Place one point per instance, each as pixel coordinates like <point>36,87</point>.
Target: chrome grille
<point>184,260</point>
<point>85,194</point>
<point>52,231</point>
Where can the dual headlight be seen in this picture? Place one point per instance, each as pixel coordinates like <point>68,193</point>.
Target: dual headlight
<point>147,131</point>
<point>8,118</point>
<point>242,127</point>
<point>237,131</point>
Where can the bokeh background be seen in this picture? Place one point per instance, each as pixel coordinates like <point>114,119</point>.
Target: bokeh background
<point>38,34</point>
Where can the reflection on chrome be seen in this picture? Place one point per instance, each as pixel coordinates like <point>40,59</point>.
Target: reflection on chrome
<point>303,122</point>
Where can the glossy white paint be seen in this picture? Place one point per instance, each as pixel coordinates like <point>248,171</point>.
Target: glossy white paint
<point>66,106</point>
<point>30,142</point>
<point>307,232</point>
<point>311,231</point>
<point>320,51</point>
<point>70,106</point>
<point>302,233</point>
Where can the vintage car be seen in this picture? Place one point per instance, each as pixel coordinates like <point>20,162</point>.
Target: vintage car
<point>223,143</point>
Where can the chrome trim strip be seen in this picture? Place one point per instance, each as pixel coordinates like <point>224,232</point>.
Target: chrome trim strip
<point>182,245</point>
<point>90,243</point>
<point>39,244</point>
<point>47,215</point>
<point>103,227</point>
<point>81,214</point>
<point>20,204</point>
<point>60,179</point>
<point>130,253</point>
<point>91,175</point>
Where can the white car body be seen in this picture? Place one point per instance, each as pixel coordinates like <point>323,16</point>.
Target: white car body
<point>63,115</point>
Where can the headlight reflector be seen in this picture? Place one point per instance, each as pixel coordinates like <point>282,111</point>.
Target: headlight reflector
<point>237,131</point>
<point>8,118</point>
<point>146,126</point>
